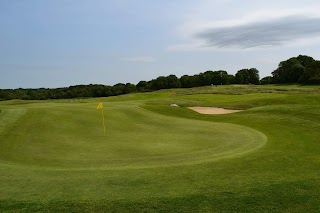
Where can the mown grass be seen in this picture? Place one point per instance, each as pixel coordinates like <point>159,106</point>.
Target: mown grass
<point>52,159</point>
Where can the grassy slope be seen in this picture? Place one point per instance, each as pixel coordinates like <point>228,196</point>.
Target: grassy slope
<point>282,176</point>
<point>70,136</point>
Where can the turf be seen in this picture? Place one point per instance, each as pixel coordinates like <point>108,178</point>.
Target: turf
<point>156,158</point>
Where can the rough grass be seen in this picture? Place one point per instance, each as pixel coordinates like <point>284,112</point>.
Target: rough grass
<point>53,156</point>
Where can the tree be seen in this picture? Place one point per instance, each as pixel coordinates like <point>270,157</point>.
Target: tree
<point>266,80</point>
<point>159,83</point>
<point>206,78</point>
<point>190,81</point>
<point>247,76</point>
<point>143,86</point>
<point>223,77</point>
<point>253,76</point>
<point>311,75</point>
<point>213,77</point>
<point>186,81</point>
<point>118,89</point>
<point>231,79</point>
<point>305,60</point>
<point>195,81</point>
<point>173,82</point>
<point>163,82</point>
<point>291,70</point>
<point>130,88</point>
<point>241,76</point>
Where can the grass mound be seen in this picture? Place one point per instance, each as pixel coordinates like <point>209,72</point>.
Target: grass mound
<point>64,136</point>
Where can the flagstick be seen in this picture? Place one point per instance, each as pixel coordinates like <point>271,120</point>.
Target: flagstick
<point>104,127</point>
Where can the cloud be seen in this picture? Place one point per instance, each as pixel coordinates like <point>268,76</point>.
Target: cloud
<point>143,59</point>
<point>259,34</point>
<point>259,28</point>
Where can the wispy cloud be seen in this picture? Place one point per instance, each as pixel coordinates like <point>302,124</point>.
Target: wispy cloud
<point>142,59</point>
<point>262,28</point>
<point>268,33</point>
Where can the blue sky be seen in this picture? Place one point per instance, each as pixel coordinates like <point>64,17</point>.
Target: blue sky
<point>67,42</point>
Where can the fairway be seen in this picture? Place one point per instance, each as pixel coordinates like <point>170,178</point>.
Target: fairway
<point>54,156</point>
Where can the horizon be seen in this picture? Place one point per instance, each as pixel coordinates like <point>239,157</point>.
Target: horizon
<point>58,44</point>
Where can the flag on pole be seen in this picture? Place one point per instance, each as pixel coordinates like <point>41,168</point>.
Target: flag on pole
<point>100,106</point>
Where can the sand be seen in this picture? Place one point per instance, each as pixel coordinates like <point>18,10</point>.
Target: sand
<point>213,110</point>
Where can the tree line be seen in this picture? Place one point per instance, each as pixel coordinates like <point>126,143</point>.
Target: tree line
<point>301,69</point>
<point>244,76</point>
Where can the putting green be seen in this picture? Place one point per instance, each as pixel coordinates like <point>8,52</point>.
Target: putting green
<point>70,136</point>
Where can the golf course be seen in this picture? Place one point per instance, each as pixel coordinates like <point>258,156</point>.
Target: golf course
<point>158,155</point>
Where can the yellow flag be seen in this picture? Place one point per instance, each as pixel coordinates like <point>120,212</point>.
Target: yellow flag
<point>100,106</point>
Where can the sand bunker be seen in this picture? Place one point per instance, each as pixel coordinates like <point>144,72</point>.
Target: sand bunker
<point>213,110</point>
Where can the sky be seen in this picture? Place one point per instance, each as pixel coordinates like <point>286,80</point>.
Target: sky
<point>45,43</point>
